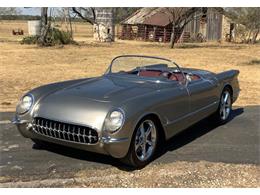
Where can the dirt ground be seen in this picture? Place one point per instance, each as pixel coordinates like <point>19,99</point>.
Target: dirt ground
<point>178,174</point>
<point>24,67</point>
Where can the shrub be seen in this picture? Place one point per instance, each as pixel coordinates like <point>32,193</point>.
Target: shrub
<point>54,37</point>
<point>29,40</point>
<point>59,37</point>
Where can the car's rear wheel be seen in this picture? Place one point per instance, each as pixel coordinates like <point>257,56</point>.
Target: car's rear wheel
<point>143,144</point>
<point>222,115</point>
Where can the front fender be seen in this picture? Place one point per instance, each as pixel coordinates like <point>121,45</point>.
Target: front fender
<point>135,109</point>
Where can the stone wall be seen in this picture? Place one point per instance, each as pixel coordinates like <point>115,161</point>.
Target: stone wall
<point>102,34</point>
<point>104,30</point>
<point>226,29</point>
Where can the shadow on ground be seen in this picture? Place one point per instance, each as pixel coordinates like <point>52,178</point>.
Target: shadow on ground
<point>199,129</point>
<point>185,137</point>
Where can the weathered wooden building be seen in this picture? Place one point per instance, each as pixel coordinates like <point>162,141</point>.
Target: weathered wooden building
<point>154,24</point>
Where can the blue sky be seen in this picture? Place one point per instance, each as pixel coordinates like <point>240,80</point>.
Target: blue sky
<point>30,11</point>
<point>34,11</point>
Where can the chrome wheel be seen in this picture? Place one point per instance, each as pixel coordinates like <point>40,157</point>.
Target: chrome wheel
<point>225,105</point>
<point>145,140</point>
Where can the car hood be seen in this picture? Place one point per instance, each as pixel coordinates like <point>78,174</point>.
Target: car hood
<point>105,89</point>
<point>89,101</point>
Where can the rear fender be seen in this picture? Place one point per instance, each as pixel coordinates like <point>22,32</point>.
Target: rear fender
<point>229,78</point>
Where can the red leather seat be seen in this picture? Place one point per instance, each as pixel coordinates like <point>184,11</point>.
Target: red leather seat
<point>179,76</point>
<point>150,73</point>
<point>176,76</point>
<point>195,77</point>
<point>173,77</point>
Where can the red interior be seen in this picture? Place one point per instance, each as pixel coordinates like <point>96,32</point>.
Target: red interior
<point>195,77</point>
<point>176,76</point>
<point>150,73</point>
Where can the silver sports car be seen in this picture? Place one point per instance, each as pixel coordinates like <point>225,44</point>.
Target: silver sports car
<point>138,103</point>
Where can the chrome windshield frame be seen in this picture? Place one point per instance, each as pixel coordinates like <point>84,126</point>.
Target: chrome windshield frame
<point>109,70</point>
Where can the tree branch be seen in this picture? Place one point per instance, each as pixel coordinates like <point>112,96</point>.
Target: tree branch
<point>87,19</point>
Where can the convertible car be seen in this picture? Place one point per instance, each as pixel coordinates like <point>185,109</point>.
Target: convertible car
<point>131,110</point>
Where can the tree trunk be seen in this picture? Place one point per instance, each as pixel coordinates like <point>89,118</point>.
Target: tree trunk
<point>255,36</point>
<point>249,37</point>
<point>113,25</point>
<point>69,21</point>
<point>44,26</point>
<point>173,36</point>
<point>178,34</point>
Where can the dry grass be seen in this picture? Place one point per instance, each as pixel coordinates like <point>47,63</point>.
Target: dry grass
<point>81,30</point>
<point>24,67</point>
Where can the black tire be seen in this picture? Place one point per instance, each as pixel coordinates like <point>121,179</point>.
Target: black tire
<point>131,158</point>
<point>217,117</point>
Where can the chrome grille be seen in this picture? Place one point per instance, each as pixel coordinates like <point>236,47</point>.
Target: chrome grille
<point>65,131</point>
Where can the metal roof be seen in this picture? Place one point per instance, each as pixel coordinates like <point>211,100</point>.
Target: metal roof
<point>149,16</point>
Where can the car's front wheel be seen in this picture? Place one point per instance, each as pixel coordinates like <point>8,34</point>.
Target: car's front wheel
<point>144,143</point>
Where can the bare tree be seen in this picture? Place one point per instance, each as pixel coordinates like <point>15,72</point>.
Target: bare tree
<point>9,11</point>
<point>44,26</point>
<point>88,14</point>
<point>66,16</point>
<point>249,17</point>
<point>179,18</point>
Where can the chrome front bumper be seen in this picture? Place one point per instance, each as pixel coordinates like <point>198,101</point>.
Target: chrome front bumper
<point>18,121</point>
<point>116,147</point>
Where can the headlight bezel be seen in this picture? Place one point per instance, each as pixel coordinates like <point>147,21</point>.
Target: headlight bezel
<point>19,108</point>
<point>108,120</point>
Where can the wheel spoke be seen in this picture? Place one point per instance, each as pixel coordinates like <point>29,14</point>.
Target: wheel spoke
<point>222,107</point>
<point>142,130</point>
<point>149,142</point>
<point>226,98</point>
<point>148,131</point>
<point>222,100</point>
<point>144,150</point>
<point>137,146</point>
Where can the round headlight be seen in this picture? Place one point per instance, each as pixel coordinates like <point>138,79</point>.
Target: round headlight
<point>25,104</point>
<point>114,121</point>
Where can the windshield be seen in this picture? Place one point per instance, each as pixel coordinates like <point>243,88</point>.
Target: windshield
<point>132,63</point>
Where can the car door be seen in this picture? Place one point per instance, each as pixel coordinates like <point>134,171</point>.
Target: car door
<point>203,98</point>
<point>174,106</point>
